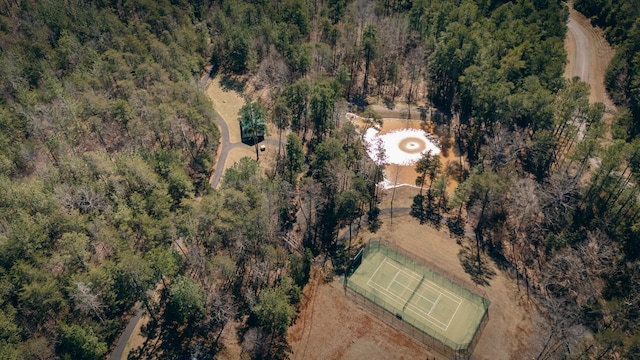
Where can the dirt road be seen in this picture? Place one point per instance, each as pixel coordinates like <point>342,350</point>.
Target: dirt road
<point>582,50</point>
<point>588,55</point>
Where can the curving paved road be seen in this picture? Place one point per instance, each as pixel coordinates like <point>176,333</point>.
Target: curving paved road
<point>225,142</point>
<point>581,65</point>
<point>225,147</point>
<point>118,350</point>
<point>581,61</point>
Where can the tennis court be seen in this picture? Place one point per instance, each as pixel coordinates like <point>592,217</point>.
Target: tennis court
<point>415,294</point>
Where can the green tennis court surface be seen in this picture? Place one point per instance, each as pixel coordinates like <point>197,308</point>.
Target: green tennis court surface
<point>426,300</point>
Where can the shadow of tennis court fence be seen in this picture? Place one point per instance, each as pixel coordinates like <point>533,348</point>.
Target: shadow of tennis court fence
<point>418,331</point>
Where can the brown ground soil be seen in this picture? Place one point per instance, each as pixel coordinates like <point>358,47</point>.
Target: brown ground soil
<point>137,338</point>
<point>331,326</point>
<point>227,103</point>
<point>267,157</point>
<point>232,349</point>
<point>401,175</point>
<point>599,58</point>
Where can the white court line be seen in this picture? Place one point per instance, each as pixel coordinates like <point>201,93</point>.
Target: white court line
<point>413,308</point>
<point>430,284</point>
<point>418,311</point>
<point>436,303</point>
<point>411,287</point>
<point>380,287</point>
<point>383,289</point>
<point>391,295</point>
<point>388,293</point>
<point>437,288</point>
<point>378,268</point>
<point>407,271</point>
<point>454,315</point>
<point>394,279</point>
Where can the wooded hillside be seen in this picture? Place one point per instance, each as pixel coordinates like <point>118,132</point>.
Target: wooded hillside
<point>107,142</point>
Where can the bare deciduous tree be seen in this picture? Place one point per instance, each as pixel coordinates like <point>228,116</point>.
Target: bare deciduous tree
<point>502,148</point>
<point>220,310</point>
<point>571,280</point>
<point>87,300</point>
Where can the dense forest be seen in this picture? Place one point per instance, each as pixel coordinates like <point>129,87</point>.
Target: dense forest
<point>107,143</point>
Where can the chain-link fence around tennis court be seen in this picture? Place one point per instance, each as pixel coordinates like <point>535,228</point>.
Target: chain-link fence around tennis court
<point>470,321</point>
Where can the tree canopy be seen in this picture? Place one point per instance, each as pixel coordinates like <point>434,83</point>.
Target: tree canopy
<point>108,140</point>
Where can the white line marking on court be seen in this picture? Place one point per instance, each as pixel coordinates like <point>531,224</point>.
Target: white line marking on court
<point>378,268</point>
<point>417,311</point>
<point>407,271</point>
<point>394,279</point>
<point>382,289</point>
<point>414,309</point>
<point>428,284</point>
<point>437,288</point>
<point>454,315</point>
<point>436,304</point>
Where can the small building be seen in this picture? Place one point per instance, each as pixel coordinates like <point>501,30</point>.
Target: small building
<point>252,130</point>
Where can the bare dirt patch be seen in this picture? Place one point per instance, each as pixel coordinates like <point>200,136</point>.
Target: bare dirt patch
<point>227,103</point>
<point>232,349</point>
<point>329,321</point>
<point>512,318</point>
<point>267,158</point>
<point>330,326</point>
<point>405,175</point>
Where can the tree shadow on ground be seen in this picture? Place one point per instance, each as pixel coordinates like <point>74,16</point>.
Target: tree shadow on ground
<point>230,82</point>
<point>360,101</point>
<point>252,142</point>
<point>456,228</point>
<point>389,102</point>
<point>170,340</point>
<point>477,265</point>
<point>424,210</point>
<point>423,112</point>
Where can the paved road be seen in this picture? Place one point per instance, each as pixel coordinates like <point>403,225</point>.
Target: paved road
<point>118,350</point>
<point>116,354</point>
<point>225,147</point>
<point>581,61</point>
<point>580,69</point>
<point>225,142</point>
